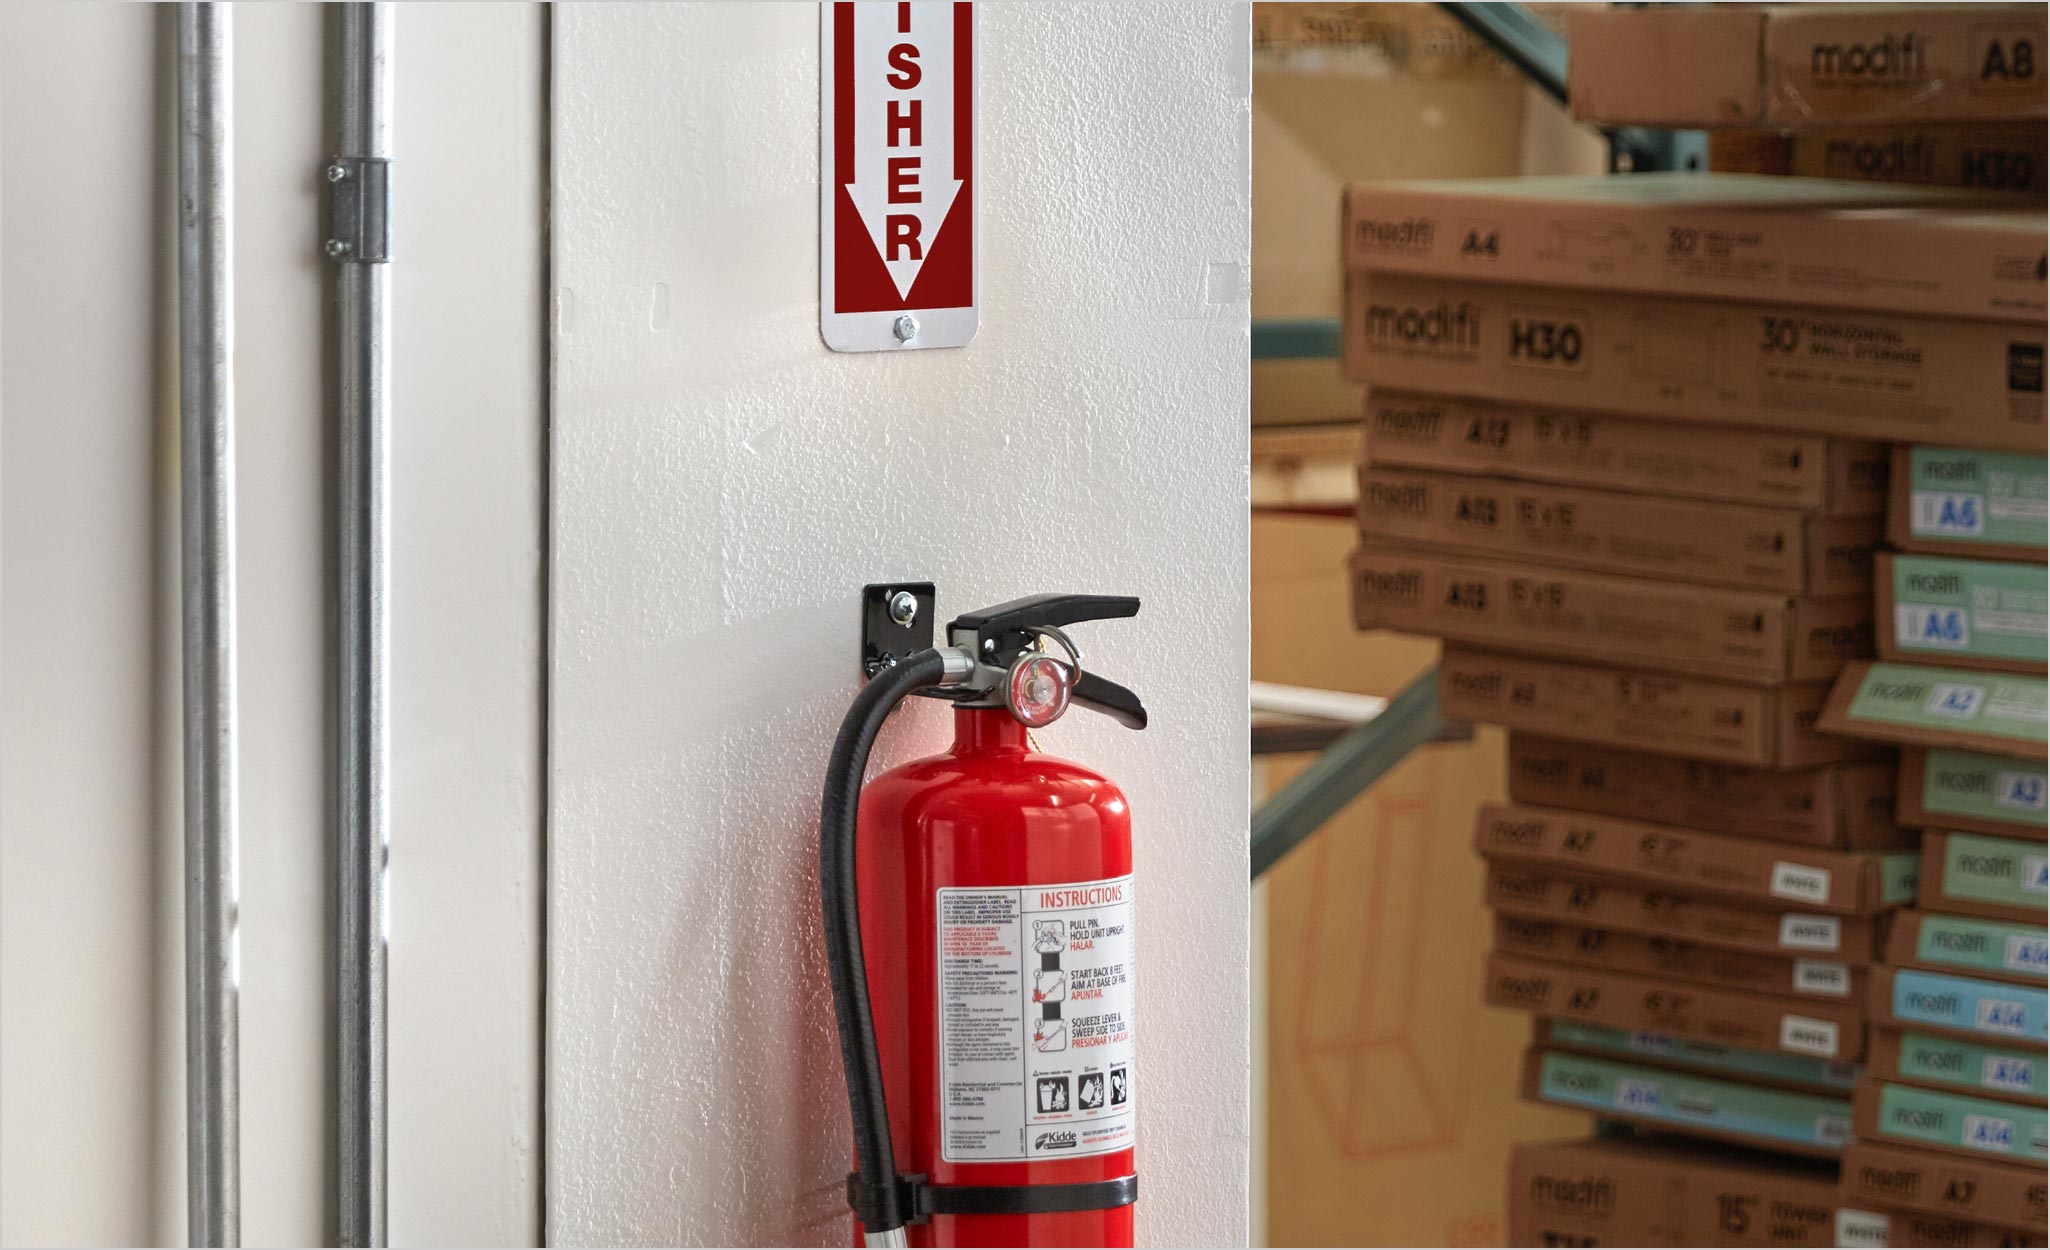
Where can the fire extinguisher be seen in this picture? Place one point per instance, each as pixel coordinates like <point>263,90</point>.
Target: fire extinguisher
<point>978,913</point>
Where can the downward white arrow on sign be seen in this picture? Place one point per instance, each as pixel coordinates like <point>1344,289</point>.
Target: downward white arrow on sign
<point>934,185</point>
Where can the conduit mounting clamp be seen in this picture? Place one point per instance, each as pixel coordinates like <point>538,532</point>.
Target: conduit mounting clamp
<point>358,209</point>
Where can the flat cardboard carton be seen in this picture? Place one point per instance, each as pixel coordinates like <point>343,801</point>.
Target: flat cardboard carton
<point>1905,1178</point>
<point>1915,1228</point>
<point>1969,1007</point>
<point>1791,67</point>
<point>1972,875</point>
<point>1985,504</point>
<point>1617,1193</point>
<point>1712,631</point>
<point>2004,950</point>
<point>1699,717</point>
<point>1954,1123</point>
<point>1641,954</point>
<point>1681,1102</point>
<point>1844,806</point>
<point>1680,917</point>
<point>1962,613</point>
<point>1803,1073</point>
<point>1806,1026</point>
<point>1683,540</point>
<point>1938,1061</point>
<point>1767,240</point>
<point>1913,705</point>
<point>1899,376</point>
<point>1967,790</point>
<point>1988,158</point>
<point>1745,870</point>
<point>1725,463</point>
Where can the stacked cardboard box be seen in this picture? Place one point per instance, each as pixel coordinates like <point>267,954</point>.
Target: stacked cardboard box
<point>1947,95</point>
<point>1949,1116</point>
<point>1621,455</point>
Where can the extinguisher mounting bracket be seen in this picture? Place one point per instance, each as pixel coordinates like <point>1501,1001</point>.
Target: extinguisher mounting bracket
<point>896,623</point>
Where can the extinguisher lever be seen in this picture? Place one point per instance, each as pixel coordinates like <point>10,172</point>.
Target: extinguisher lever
<point>1006,622</point>
<point>1100,694</point>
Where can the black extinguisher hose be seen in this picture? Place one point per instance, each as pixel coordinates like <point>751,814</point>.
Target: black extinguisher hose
<point>874,1191</point>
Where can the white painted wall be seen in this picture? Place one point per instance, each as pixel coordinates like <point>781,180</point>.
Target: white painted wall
<point>91,1101</point>
<point>722,487</point>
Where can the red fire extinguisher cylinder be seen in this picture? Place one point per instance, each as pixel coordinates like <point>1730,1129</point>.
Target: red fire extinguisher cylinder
<point>987,1022</point>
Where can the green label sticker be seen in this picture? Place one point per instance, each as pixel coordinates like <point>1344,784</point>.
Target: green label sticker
<point>1968,1065</point>
<point>1994,870</point>
<point>1967,943</point>
<point>2004,1129</point>
<point>1987,787</point>
<point>1986,608</point>
<point>1995,498</point>
<point>1993,704</point>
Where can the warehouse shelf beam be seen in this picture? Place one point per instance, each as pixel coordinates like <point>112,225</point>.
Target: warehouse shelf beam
<point>1346,769</point>
<point>1296,338</point>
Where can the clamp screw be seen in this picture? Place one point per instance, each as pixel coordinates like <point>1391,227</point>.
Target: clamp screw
<point>905,328</point>
<point>337,249</point>
<point>337,171</point>
<point>903,607</point>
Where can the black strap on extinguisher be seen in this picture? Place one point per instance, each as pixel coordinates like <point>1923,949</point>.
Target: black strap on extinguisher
<point>921,1200</point>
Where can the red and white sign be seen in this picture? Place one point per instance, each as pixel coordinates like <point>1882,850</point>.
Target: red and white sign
<point>897,249</point>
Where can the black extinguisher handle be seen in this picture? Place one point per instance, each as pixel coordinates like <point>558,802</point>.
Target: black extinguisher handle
<point>1045,610</point>
<point>1100,694</point>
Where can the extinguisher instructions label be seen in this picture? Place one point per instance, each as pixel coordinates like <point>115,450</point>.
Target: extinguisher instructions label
<point>1036,1041</point>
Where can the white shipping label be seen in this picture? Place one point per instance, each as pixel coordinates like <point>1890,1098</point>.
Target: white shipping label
<point>1800,881</point>
<point>1809,933</point>
<point>1860,1228</point>
<point>1818,976</point>
<point>1036,1042</point>
<point>1803,1035</point>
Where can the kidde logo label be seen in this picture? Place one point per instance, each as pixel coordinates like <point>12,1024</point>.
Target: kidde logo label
<point>1889,58</point>
<point>1445,328</point>
<point>1411,234</point>
<point>1054,1141</point>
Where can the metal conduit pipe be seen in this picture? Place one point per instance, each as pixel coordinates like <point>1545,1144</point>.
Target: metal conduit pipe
<point>206,352</point>
<point>358,245</point>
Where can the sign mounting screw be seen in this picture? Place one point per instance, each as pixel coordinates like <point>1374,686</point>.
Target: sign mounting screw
<point>903,607</point>
<point>906,328</point>
<point>337,171</point>
<point>337,248</point>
